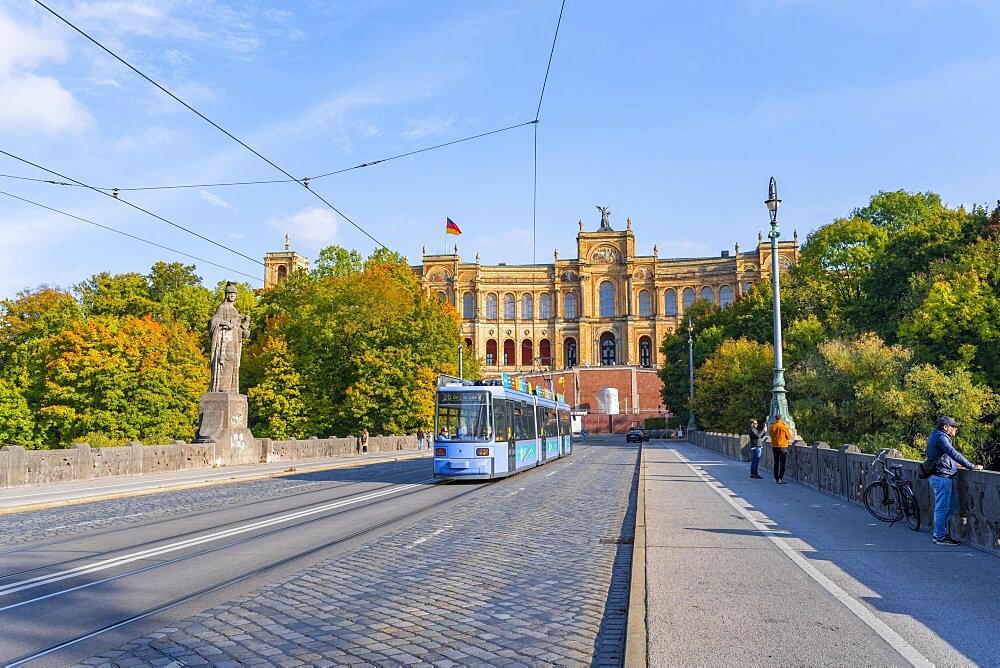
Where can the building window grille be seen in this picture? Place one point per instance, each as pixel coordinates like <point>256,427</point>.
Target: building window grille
<point>687,297</point>
<point>670,302</point>
<point>607,299</point>
<point>608,349</point>
<point>468,306</point>
<point>570,307</point>
<point>725,296</point>
<point>491,307</point>
<point>509,305</point>
<point>570,352</point>
<point>708,294</point>
<point>645,352</point>
<point>644,303</point>
<point>527,307</point>
<point>545,307</point>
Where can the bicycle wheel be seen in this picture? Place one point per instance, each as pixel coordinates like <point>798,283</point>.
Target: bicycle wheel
<point>882,501</point>
<point>910,508</point>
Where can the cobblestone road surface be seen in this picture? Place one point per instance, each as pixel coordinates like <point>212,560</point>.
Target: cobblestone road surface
<point>528,572</point>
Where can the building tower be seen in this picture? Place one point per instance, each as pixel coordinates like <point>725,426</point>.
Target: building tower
<point>278,265</point>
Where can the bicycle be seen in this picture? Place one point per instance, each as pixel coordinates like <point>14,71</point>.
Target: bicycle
<point>888,497</point>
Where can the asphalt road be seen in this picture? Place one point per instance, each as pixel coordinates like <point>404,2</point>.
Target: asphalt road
<point>376,564</point>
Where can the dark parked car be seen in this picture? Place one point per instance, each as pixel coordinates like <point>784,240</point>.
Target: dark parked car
<point>636,436</point>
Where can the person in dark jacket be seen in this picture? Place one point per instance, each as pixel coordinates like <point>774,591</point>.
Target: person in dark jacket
<point>755,446</point>
<point>940,448</point>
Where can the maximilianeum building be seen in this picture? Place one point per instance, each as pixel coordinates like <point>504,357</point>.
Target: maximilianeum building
<point>605,307</point>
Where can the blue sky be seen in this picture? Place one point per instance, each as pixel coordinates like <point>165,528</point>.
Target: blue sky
<point>672,113</point>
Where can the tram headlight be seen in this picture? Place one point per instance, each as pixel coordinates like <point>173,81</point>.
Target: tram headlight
<point>482,452</point>
<point>440,452</point>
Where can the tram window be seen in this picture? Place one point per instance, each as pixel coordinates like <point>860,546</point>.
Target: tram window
<point>500,416</point>
<point>524,421</point>
<point>551,425</point>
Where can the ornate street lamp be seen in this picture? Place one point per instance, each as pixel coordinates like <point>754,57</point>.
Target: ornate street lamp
<point>779,403</point>
<point>692,424</point>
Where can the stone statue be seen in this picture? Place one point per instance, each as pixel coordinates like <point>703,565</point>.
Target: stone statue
<point>227,329</point>
<point>605,213</point>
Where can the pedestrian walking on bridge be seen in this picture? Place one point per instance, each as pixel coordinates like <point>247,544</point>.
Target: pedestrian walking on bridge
<point>420,438</point>
<point>941,451</point>
<point>780,436</point>
<point>755,448</point>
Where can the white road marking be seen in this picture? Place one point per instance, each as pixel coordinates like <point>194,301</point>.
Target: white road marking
<point>426,538</point>
<point>886,632</point>
<point>191,542</point>
<point>103,519</point>
<point>553,473</point>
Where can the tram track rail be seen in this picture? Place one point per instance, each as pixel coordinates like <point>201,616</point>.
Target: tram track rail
<point>262,570</point>
<point>166,520</point>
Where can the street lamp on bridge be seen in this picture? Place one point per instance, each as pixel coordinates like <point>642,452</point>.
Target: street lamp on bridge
<point>692,424</point>
<point>779,403</point>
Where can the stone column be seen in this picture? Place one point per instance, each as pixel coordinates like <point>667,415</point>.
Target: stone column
<point>223,419</point>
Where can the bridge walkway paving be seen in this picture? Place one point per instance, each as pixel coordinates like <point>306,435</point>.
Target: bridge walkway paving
<point>748,572</point>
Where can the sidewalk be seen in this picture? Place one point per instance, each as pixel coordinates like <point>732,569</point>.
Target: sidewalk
<point>747,572</point>
<point>39,497</point>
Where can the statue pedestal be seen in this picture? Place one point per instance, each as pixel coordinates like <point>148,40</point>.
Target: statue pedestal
<point>222,418</point>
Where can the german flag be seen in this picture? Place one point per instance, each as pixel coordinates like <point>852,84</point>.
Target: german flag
<point>450,227</point>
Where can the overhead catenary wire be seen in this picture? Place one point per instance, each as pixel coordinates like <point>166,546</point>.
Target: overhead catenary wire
<point>370,163</point>
<point>130,236</point>
<point>538,112</point>
<point>210,122</point>
<point>134,206</point>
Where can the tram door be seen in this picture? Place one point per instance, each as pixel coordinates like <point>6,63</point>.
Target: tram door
<point>504,419</point>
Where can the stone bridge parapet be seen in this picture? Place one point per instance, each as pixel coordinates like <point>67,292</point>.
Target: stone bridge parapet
<point>80,462</point>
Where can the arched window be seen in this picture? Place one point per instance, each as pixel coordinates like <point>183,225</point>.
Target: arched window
<point>608,349</point>
<point>569,347</point>
<point>607,299</point>
<point>570,307</point>
<point>527,306</point>
<point>725,296</point>
<point>468,345</point>
<point>491,306</point>
<point>687,297</point>
<point>491,352</point>
<point>645,352</point>
<point>509,310</point>
<point>545,306</point>
<point>282,272</point>
<point>442,296</point>
<point>527,353</point>
<point>644,303</point>
<point>508,352</point>
<point>545,352</point>
<point>670,302</point>
<point>747,287</point>
<point>468,306</point>
<point>708,294</point>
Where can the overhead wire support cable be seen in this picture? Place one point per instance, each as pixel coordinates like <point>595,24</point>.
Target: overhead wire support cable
<point>538,112</point>
<point>208,120</point>
<point>131,236</point>
<point>134,206</point>
<point>305,181</point>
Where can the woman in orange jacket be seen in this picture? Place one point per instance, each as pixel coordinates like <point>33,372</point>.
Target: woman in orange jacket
<point>780,436</point>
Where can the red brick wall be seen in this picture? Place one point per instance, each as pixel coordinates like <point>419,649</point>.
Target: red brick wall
<point>641,399</point>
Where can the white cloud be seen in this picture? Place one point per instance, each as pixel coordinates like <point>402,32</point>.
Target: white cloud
<point>30,101</point>
<point>40,104</point>
<point>423,127</point>
<point>216,200</point>
<point>151,137</point>
<point>313,226</point>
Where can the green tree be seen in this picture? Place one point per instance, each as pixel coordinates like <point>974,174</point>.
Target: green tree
<point>17,425</point>
<point>276,407</point>
<point>734,385</point>
<point>124,379</point>
<point>115,295</point>
<point>337,261</point>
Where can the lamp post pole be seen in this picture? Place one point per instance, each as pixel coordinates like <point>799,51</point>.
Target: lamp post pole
<point>692,423</point>
<point>779,402</point>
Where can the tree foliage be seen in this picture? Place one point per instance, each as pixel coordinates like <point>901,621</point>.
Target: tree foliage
<point>734,384</point>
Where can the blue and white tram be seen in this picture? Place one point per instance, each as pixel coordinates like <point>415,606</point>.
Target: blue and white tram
<point>485,429</point>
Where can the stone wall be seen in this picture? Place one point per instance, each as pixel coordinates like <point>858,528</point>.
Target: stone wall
<point>844,472</point>
<point>82,462</point>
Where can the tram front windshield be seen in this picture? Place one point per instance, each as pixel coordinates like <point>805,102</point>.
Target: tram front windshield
<point>463,416</point>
